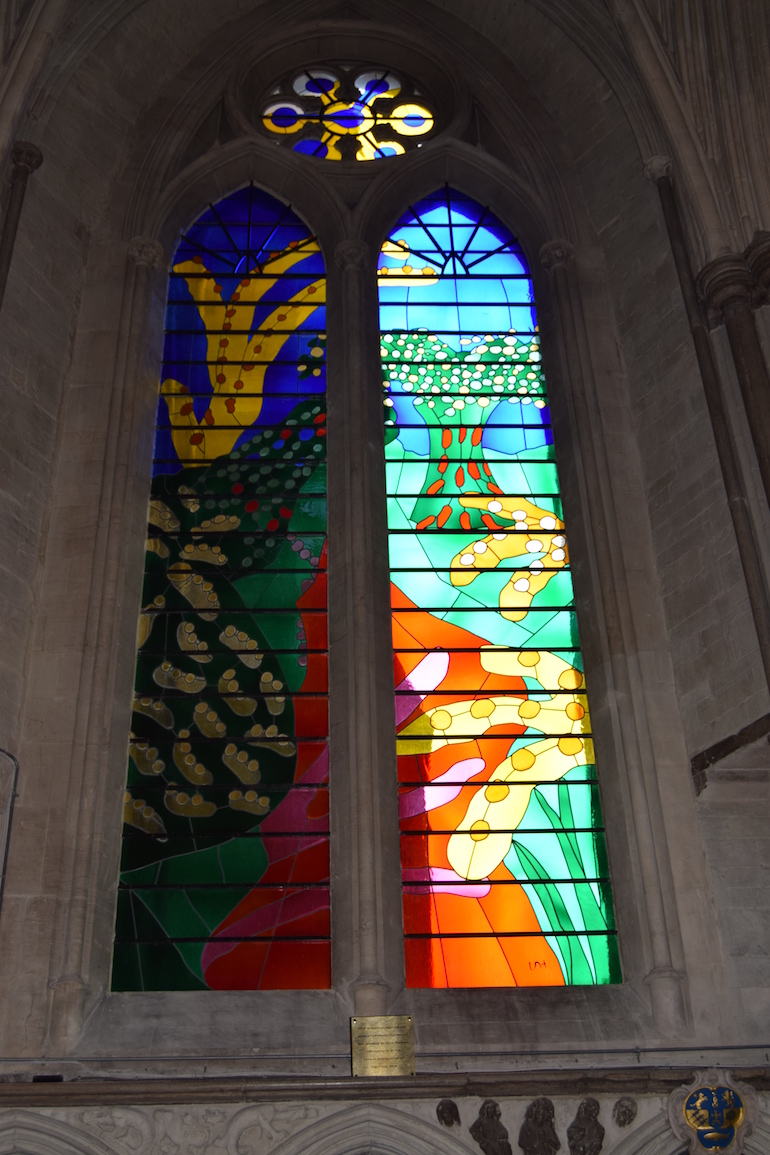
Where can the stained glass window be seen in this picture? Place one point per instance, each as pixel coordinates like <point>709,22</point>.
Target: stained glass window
<point>339,114</point>
<point>504,869</point>
<point>225,867</point>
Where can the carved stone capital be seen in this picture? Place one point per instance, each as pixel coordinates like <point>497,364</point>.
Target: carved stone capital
<point>666,987</point>
<point>351,254</point>
<point>725,284</point>
<point>26,156</point>
<point>714,1112</point>
<point>556,255</point>
<point>758,257</point>
<point>146,252</point>
<point>657,167</point>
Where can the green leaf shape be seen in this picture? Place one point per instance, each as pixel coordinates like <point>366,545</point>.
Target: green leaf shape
<point>593,959</point>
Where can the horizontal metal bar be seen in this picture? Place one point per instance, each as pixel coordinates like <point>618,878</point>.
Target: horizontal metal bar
<point>294,885</point>
<point>293,275</point>
<point>162,427</point>
<point>266,500</point>
<point>437,610</point>
<point>422,329</point>
<point>253,458</point>
<point>169,612</point>
<point>503,830</point>
<point>297,650</point>
<point>504,882</point>
<point>250,692</point>
<point>475,649</point>
<point>130,834</point>
<point>509,531</point>
<point>266,938</point>
<point>529,783</point>
<point>609,933</point>
<point>497,428</point>
<point>297,395</point>
<point>205,532</point>
<point>157,784</point>
<point>440,495</point>
<point>505,569</point>
<point>482,693</point>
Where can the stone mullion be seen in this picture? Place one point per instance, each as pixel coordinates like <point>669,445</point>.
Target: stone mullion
<point>664,981</point>
<point>658,170</point>
<point>366,903</point>
<point>71,938</point>
<point>727,285</point>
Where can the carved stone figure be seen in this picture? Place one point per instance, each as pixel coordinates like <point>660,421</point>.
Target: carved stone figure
<point>537,1135</point>
<point>489,1132</point>
<point>624,1111</point>
<point>585,1134</point>
<point>447,1112</point>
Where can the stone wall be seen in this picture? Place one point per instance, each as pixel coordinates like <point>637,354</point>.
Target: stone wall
<point>554,126</point>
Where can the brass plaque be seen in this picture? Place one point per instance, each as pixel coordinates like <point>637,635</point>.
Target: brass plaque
<point>382,1044</point>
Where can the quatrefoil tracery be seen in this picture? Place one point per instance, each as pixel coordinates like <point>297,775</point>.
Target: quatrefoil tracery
<point>324,109</point>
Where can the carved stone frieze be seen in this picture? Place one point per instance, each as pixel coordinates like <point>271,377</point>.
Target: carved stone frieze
<point>196,1130</point>
<point>538,1134</point>
<point>585,1134</point>
<point>488,1130</point>
<point>448,1113</point>
<point>624,1111</point>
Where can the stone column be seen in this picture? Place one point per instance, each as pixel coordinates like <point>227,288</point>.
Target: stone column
<point>72,930</point>
<point>366,885</point>
<point>658,170</point>
<point>666,983</point>
<point>758,257</point>
<point>26,158</point>
<point>727,286</point>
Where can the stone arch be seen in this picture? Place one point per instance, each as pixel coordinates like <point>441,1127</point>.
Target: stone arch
<point>373,1128</point>
<point>32,1133</point>
<point>164,209</point>
<point>226,169</point>
<point>655,1138</point>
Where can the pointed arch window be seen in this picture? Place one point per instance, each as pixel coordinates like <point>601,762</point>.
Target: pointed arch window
<point>225,866</point>
<point>505,879</point>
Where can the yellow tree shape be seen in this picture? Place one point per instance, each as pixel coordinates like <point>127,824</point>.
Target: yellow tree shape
<point>236,360</point>
<point>541,534</point>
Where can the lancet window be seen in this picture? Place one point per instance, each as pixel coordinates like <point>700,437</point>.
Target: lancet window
<point>505,879</point>
<point>224,878</point>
